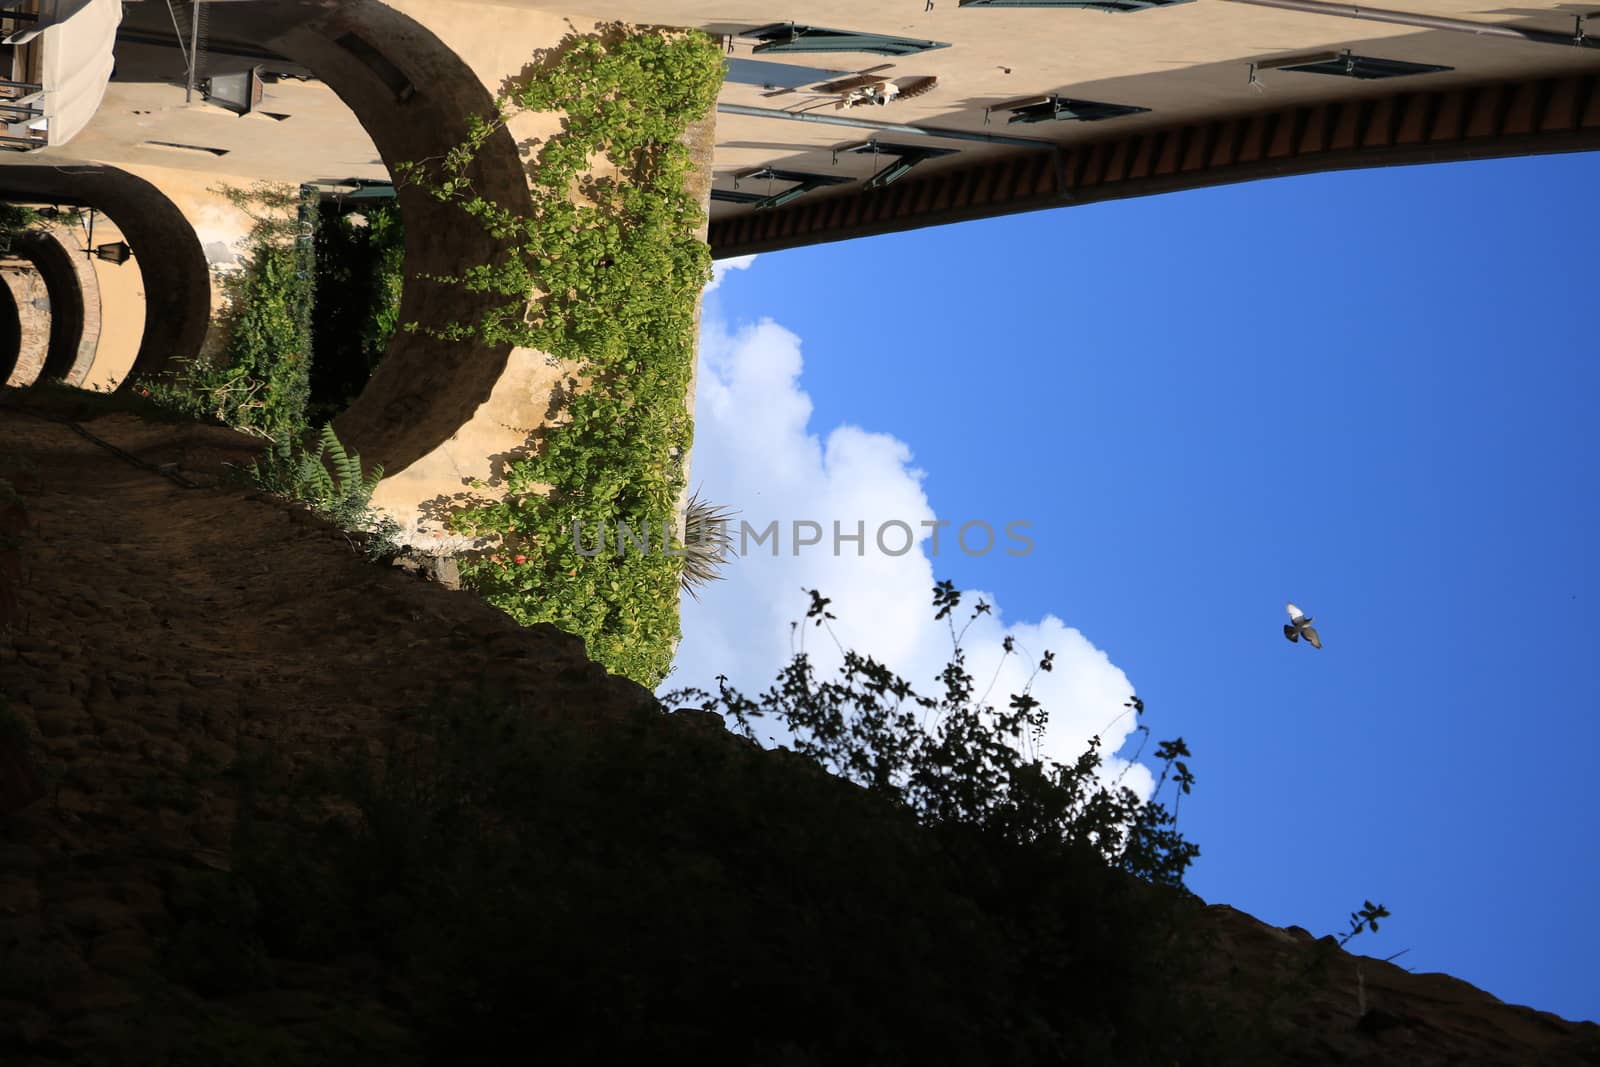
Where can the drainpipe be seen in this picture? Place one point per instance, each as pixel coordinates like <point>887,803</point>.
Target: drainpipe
<point>194,49</point>
<point>1577,38</point>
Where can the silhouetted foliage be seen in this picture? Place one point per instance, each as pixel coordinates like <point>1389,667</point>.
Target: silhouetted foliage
<point>360,274</point>
<point>259,380</point>
<point>552,885</point>
<point>955,760</point>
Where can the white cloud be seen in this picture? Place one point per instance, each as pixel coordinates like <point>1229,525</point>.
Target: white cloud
<point>755,450</point>
<point>721,267</point>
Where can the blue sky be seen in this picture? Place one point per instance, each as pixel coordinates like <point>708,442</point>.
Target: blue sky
<point>1366,392</point>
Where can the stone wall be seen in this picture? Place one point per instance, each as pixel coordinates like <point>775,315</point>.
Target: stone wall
<point>31,299</point>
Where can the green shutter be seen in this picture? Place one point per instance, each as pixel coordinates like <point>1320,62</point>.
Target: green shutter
<point>1061,108</point>
<point>1096,5</point>
<point>794,37</point>
<point>1366,67</point>
<point>905,156</point>
<point>799,182</point>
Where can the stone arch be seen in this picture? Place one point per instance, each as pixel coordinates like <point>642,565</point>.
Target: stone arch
<point>74,291</point>
<point>176,278</point>
<point>10,334</point>
<point>413,94</point>
<point>25,332</point>
<point>441,417</point>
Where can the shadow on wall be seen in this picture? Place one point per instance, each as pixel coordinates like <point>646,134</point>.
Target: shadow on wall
<point>440,509</point>
<point>177,283</point>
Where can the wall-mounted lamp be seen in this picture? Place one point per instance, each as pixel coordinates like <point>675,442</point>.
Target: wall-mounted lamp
<point>116,252</point>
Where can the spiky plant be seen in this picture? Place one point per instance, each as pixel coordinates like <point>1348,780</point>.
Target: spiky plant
<point>707,543</point>
<point>329,477</point>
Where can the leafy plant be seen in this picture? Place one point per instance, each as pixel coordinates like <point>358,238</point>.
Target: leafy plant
<point>17,220</point>
<point>955,760</point>
<point>360,277</point>
<point>306,475</point>
<point>1365,919</point>
<point>617,272</point>
<point>706,543</point>
<point>259,380</point>
<point>333,481</point>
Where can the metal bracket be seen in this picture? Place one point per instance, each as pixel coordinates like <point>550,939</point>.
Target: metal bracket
<point>906,157</point>
<point>800,184</point>
<point>735,196</point>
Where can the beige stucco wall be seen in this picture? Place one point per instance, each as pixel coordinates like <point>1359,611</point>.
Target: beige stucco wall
<point>1185,62</point>
<point>219,225</point>
<point>122,311</point>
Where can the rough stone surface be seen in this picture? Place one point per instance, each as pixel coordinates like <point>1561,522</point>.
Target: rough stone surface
<point>29,296</point>
<point>1326,1005</point>
<point>159,629</point>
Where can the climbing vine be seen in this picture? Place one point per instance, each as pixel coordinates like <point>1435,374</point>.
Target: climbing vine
<point>360,278</point>
<point>615,268</point>
<point>259,381</point>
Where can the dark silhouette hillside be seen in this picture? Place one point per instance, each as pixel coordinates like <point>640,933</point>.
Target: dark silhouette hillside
<point>262,802</point>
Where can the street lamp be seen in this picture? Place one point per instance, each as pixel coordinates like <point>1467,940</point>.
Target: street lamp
<point>116,252</point>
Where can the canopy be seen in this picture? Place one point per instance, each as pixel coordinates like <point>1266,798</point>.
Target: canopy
<point>75,41</point>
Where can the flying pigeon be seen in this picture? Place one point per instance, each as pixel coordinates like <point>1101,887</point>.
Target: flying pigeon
<point>1299,625</point>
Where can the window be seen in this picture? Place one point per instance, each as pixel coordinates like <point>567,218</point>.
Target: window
<point>1061,108</point>
<point>1365,67</point>
<point>736,196</point>
<point>778,75</point>
<point>793,37</point>
<point>1097,5</point>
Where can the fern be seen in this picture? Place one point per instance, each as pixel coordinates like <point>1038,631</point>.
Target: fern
<point>347,486</point>
<point>329,478</point>
<point>312,483</point>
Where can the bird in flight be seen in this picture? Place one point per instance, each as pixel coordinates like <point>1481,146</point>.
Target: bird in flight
<point>1299,625</point>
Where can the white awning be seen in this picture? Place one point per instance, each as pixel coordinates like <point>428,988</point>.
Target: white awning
<point>75,40</point>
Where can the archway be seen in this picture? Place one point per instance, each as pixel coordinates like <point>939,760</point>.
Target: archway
<point>25,334</point>
<point>74,291</point>
<point>176,280</point>
<point>413,93</point>
<point>437,415</point>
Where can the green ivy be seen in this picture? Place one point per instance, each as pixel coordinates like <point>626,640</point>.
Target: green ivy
<point>360,276</point>
<point>18,220</point>
<point>260,380</point>
<point>386,237</point>
<point>619,271</point>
